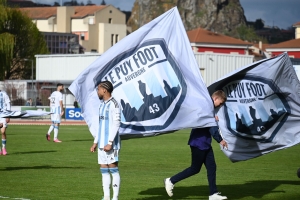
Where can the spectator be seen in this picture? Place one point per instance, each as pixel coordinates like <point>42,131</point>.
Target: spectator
<point>38,102</point>
<point>29,102</point>
<point>76,104</point>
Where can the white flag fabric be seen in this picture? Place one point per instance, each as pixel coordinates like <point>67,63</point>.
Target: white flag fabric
<point>262,111</point>
<point>156,81</point>
<point>22,114</point>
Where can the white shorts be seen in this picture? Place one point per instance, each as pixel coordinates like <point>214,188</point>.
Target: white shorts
<point>3,121</point>
<point>56,118</point>
<point>109,157</point>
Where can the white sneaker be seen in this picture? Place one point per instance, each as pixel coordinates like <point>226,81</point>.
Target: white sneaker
<point>169,186</point>
<point>105,198</point>
<point>217,196</point>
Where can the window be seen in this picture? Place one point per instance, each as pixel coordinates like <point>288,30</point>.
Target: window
<point>110,11</point>
<point>112,39</point>
<point>117,38</point>
<point>82,36</point>
<point>91,20</point>
<point>110,20</point>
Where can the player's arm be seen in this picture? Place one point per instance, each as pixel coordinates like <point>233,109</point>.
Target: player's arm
<point>96,138</point>
<point>116,121</point>
<point>214,131</point>
<point>61,107</point>
<point>8,107</point>
<point>93,147</point>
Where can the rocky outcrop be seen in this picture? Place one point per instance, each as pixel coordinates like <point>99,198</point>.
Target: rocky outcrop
<point>222,16</point>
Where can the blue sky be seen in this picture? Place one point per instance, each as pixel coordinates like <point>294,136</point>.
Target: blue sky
<point>281,13</point>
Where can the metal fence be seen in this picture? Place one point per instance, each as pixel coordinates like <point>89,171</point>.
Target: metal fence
<point>21,91</point>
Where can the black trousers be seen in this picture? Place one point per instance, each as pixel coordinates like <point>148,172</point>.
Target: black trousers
<point>198,158</point>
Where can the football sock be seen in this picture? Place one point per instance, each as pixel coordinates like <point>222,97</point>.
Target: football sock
<point>50,129</point>
<point>105,181</point>
<point>116,181</point>
<point>55,132</point>
<point>3,143</point>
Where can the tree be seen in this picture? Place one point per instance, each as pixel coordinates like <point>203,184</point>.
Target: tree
<point>249,34</point>
<point>74,3</point>
<point>22,40</point>
<point>6,41</point>
<point>56,4</point>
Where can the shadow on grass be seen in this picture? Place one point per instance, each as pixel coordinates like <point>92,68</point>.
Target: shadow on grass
<point>30,152</point>
<point>255,189</point>
<point>89,140</point>
<point>38,167</point>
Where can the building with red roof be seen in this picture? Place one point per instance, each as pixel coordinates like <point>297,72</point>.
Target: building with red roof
<point>206,41</point>
<point>98,27</point>
<point>292,47</point>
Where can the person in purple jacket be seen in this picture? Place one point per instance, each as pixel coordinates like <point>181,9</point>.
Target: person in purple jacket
<point>202,153</point>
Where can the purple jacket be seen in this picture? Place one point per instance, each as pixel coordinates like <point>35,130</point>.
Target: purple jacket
<point>201,137</point>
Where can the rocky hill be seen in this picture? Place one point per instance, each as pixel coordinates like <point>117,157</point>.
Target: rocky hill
<point>222,16</point>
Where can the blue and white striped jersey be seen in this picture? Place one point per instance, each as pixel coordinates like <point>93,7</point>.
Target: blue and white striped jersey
<point>55,99</point>
<point>109,124</point>
<point>4,101</point>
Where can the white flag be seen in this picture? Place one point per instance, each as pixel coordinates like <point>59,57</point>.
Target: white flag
<point>22,114</point>
<point>156,80</point>
<point>262,111</point>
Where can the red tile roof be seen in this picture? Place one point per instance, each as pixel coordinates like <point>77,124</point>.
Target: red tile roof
<point>296,24</point>
<point>287,44</point>
<point>82,11</point>
<point>40,12</point>
<point>47,12</point>
<point>200,35</point>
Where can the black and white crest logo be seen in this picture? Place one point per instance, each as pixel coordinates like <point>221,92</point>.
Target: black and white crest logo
<point>255,108</point>
<point>148,84</point>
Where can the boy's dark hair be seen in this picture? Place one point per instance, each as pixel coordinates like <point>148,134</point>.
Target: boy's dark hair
<point>221,94</point>
<point>107,85</point>
<point>59,84</point>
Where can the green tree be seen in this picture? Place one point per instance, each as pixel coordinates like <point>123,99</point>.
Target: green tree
<point>21,40</point>
<point>248,34</point>
<point>6,41</point>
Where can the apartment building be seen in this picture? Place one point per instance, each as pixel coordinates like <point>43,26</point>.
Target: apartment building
<point>98,27</point>
<point>297,30</point>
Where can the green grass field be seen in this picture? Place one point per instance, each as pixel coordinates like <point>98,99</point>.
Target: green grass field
<point>38,169</point>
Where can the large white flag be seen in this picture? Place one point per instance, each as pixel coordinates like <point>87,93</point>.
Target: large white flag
<point>156,80</point>
<point>22,114</point>
<point>262,111</point>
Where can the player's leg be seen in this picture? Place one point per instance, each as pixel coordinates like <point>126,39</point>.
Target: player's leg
<point>53,118</point>
<point>3,134</point>
<point>56,127</point>
<point>114,171</point>
<point>198,158</point>
<point>49,131</point>
<point>211,168</point>
<point>104,170</point>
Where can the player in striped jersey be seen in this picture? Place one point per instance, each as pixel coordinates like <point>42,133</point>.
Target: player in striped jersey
<point>108,140</point>
<point>5,105</point>
<point>57,109</point>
